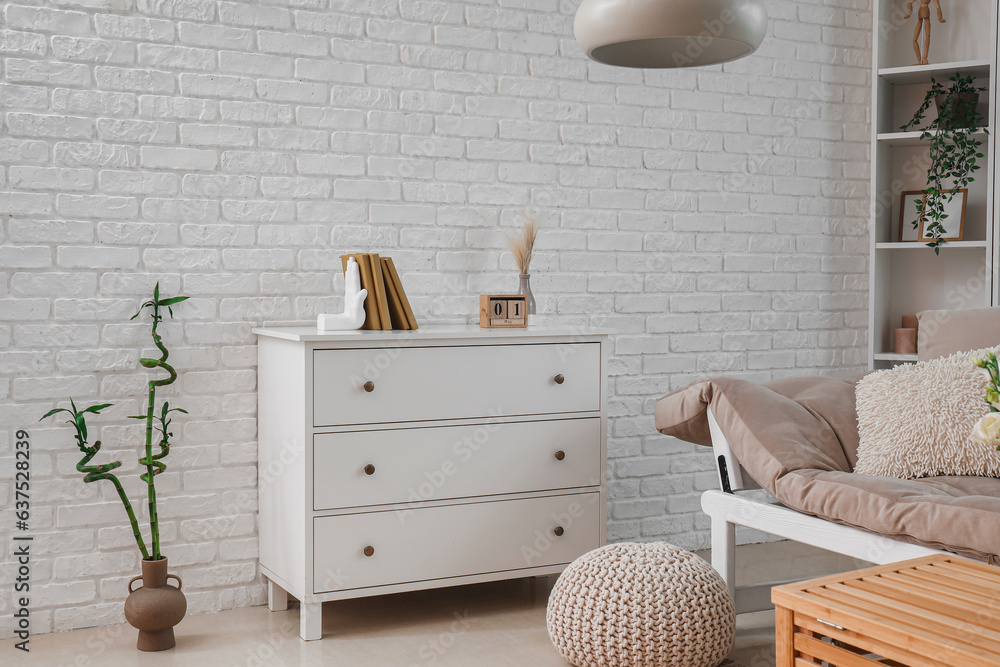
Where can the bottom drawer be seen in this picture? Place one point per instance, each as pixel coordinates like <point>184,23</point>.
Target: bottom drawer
<point>452,541</point>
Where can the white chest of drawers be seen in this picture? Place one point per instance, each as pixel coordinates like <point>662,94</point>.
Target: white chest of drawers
<point>399,460</point>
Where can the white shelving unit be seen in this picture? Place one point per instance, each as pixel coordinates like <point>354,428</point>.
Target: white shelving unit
<point>907,277</point>
<point>922,73</point>
<point>896,358</point>
<point>907,245</point>
<point>911,138</point>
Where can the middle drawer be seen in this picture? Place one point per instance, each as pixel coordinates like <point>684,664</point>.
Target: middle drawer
<point>364,468</point>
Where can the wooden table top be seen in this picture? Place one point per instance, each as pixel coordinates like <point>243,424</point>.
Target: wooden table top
<point>927,612</point>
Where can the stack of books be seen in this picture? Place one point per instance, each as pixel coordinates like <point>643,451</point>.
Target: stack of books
<point>386,306</point>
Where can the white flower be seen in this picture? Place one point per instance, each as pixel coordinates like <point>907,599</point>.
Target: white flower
<point>987,429</point>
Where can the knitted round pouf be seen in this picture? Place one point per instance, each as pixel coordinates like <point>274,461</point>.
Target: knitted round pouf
<point>641,605</point>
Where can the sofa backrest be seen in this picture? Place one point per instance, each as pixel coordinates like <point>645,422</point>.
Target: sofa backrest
<point>774,427</point>
<point>941,333</point>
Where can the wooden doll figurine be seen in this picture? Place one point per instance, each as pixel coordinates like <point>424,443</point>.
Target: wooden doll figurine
<point>923,23</point>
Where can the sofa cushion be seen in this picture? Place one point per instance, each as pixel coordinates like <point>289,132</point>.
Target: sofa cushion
<point>950,513</point>
<point>944,332</point>
<point>797,438</point>
<point>915,420</point>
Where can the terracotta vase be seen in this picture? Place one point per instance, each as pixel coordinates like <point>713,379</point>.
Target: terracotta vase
<point>156,607</point>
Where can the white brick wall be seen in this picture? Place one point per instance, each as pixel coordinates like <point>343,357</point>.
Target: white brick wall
<point>716,218</point>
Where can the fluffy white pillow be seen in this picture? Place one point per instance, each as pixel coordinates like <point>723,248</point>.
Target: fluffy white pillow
<point>914,420</point>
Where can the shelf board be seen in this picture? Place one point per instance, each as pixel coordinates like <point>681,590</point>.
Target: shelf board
<point>913,138</point>
<point>892,356</point>
<point>923,73</point>
<point>910,245</point>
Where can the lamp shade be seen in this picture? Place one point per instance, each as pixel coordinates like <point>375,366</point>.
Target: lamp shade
<point>669,33</point>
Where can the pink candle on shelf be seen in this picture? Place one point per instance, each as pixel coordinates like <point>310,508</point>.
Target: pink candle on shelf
<point>909,321</point>
<point>906,341</point>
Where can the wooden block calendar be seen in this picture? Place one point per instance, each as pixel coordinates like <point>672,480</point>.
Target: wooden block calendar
<point>503,310</point>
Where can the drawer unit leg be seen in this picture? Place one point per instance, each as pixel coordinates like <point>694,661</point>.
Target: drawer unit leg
<point>311,621</point>
<point>277,598</point>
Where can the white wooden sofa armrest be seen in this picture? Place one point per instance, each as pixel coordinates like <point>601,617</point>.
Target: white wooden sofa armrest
<point>727,510</point>
<point>732,477</point>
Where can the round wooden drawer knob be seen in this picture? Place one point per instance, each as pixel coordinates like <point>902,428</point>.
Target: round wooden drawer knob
<point>369,469</point>
<point>558,530</point>
<point>369,551</point>
<point>369,386</point>
<point>560,455</point>
<point>559,379</point>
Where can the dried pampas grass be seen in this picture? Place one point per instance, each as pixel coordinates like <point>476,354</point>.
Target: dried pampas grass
<point>521,245</point>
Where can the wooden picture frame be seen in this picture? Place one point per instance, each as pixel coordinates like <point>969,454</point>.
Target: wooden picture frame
<point>907,214</point>
<point>503,310</point>
<point>954,224</point>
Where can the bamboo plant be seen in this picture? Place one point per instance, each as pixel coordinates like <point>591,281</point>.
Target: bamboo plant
<point>158,421</point>
<point>954,149</point>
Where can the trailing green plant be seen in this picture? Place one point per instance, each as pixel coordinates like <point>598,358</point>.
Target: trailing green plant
<point>954,149</point>
<point>155,420</point>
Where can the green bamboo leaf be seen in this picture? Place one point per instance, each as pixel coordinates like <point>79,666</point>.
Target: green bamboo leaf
<point>53,411</point>
<point>139,312</point>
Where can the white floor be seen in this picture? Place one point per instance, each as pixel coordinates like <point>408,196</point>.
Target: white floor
<point>486,625</point>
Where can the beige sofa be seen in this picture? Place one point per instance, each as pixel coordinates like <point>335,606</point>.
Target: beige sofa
<point>798,439</point>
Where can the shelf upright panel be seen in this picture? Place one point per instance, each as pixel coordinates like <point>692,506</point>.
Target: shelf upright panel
<point>993,203</point>
<point>879,60</point>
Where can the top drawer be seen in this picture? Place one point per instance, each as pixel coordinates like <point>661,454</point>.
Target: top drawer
<point>430,383</point>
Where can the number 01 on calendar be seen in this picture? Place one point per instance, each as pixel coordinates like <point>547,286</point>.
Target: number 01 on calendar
<point>503,310</point>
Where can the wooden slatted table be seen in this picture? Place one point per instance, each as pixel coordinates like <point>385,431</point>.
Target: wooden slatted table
<point>937,611</point>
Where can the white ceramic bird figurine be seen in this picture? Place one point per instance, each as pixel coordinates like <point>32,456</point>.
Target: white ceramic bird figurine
<point>354,303</point>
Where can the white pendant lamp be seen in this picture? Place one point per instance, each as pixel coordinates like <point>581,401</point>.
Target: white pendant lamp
<point>669,33</point>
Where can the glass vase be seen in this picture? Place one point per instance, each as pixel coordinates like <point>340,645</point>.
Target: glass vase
<point>524,287</point>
